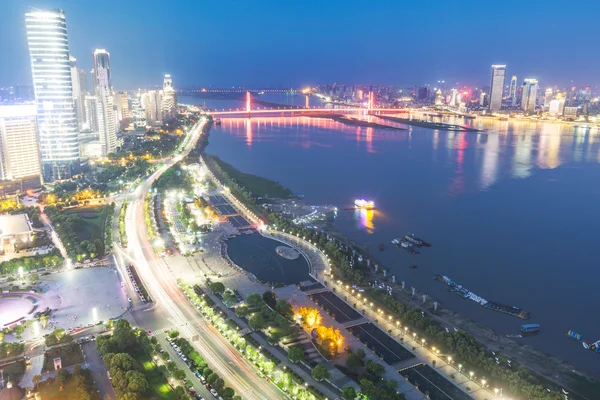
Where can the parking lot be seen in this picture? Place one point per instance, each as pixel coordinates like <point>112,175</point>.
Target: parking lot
<point>238,221</point>
<point>429,380</point>
<point>226,210</point>
<point>217,200</point>
<point>340,310</point>
<point>390,350</point>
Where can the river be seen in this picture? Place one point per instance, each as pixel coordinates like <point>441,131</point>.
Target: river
<point>512,212</point>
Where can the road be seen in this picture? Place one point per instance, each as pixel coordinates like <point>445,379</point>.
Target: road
<point>223,358</point>
<point>96,366</point>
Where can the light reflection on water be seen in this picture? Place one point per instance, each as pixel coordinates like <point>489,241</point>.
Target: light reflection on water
<point>511,211</point>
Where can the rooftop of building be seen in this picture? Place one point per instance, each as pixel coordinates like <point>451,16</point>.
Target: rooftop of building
<point>14,224</point>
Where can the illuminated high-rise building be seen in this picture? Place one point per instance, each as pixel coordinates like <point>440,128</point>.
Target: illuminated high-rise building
<point>103,91</point>
<point>169,101</point>
<point>51,75</point>
<point>453,97</point>
<point>19,150</point>
<point>152,103</point>
<point>121,101</point>
<point>497,87</point>
<point>529,96</point>
<point>513,90</point>
<point>78,98</point>
<point>91,113</point>
<point>548,97</point>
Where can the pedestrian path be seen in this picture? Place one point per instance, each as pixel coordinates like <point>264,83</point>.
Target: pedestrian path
<point>35,368</point>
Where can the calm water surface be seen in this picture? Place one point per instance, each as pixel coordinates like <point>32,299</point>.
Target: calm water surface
<point>512,213</point>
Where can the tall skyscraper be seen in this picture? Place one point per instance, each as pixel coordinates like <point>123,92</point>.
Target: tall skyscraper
<point>497,87</point>
<point>57,121</point>
<point>151,102</point>
<point>513,90</point>
<point>19,150</point>
<point>103,92</point>
<point>453,97</point>
<point>78,98</point>
<point>169,101</point>
<point>529,96</point>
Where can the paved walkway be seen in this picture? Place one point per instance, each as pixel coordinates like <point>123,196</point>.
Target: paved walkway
<point>37,362</point>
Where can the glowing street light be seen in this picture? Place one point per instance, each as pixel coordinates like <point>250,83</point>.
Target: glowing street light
<point>36,328</point>
<point>471,374</point>
<point>21,272</point>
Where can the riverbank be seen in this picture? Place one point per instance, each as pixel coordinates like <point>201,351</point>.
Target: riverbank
<point>435,339</point>
<point>256,185</point>
<point>429,124</point>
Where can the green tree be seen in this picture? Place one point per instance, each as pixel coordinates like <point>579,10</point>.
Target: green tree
<point>77,370</point>
<point>99,247</point>
<point>206,372</point>
<point>122,361</point>
<point>241,311</point>
<point>179,374</point>
<point>320,372</point>
<point>348,393</point>
<point>285,309</point>
<point>171,366</point>
<point>173,334</point>
<point>254,300</point>
<point>360,353</point>
<point>296,354</point>
<point>218,384</point>
<point>353,362</point>
<point>217,287</point>
<point>212,378</point>
<point>227,393</point>
<point>136,382</point>
<point>37,378</point>
<point>270,299</point>
<point>257,322</point>
<point>123,335</point>
<point>43,321</point>
<point>375,369</point>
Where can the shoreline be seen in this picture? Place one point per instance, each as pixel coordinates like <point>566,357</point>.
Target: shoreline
<point>544,366</point>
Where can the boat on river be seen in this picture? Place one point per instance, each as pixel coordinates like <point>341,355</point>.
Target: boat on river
<point>362,204</point>
<point>467,294</point>
<point>530,328</point>
<point>588,345</point>
<point>415,240</point>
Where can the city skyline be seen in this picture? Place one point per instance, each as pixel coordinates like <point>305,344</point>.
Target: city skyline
<point>210,53</point>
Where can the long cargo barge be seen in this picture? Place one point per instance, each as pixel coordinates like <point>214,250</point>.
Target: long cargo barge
<point>588,345</point>
<point>467,294</point>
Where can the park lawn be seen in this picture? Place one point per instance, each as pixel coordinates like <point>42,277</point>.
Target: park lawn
<point>95,221</point>
<point>159,387</point>
<point>259,186</point>
<point>14,371</point>
<point>69,354</point>
<point>53,392</point>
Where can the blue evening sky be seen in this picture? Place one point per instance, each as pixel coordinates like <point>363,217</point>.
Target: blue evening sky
<point>291,43</point>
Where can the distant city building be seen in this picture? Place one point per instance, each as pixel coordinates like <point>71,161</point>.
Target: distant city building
<point>121,101</point>
<point>529,96</point>
<point>57,121</point>
<point>152,103</point>
<point>138,115</point>
<point>556,107</point>
<point>24,92</point>
<point>83,82</point>
<point>169,100</point>
<point>570,112</point>
<point>439,99</point>
<point>497,87</point>
<point>547,97</point>
<point>78,98</point>
<point>482,99</point>
<point>513,90</point>
<point>103,90</point>
<point>453,97</point>
<point>422,93</point>
<point>19,150</point>
<point>91,113</point>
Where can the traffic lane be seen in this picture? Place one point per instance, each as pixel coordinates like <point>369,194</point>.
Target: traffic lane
<point>98,370</point>
<point>191,377</point>
<point>237,372</point>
